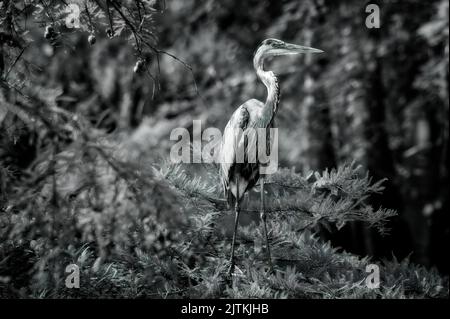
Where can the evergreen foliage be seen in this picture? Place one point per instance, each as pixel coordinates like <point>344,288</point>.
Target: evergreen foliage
<point>137,229</point>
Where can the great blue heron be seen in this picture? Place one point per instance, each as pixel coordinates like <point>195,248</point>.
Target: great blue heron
<point>238,177</point>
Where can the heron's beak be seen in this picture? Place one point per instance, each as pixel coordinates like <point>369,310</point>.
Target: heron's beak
<point>295,49</point>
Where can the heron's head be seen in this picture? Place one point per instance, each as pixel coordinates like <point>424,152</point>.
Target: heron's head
<point>275,47</point>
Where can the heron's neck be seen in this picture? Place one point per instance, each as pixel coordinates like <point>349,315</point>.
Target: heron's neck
<point>273,90</point>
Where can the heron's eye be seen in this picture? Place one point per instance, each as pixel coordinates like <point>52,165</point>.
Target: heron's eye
<point>270,42</point>
<point>273,42</point>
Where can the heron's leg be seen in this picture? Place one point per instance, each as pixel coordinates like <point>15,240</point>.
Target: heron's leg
<point>236,221</point>
<point>263,218</point>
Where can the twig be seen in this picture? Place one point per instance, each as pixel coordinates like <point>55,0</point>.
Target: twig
<point>109,17</point>
<point>14,63</point>
<point>157,51</point>
<point>89,16</point>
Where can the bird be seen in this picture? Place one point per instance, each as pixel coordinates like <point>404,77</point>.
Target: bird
<point>238,177</point>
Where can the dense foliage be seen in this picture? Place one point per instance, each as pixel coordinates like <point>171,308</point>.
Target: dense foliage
<point>87,107</point>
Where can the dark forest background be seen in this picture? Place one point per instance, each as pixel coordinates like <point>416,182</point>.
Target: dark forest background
<point>377,97</point>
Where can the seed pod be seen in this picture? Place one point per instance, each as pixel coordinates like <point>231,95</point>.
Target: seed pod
<point>139,66</point>
<point>92,39</point>
<point>49,29</point>
<point>49,32</point>
<point>109,33</point>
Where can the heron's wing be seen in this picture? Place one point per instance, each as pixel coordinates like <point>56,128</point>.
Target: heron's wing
<point>235,138</point>
<point>239,120</point>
